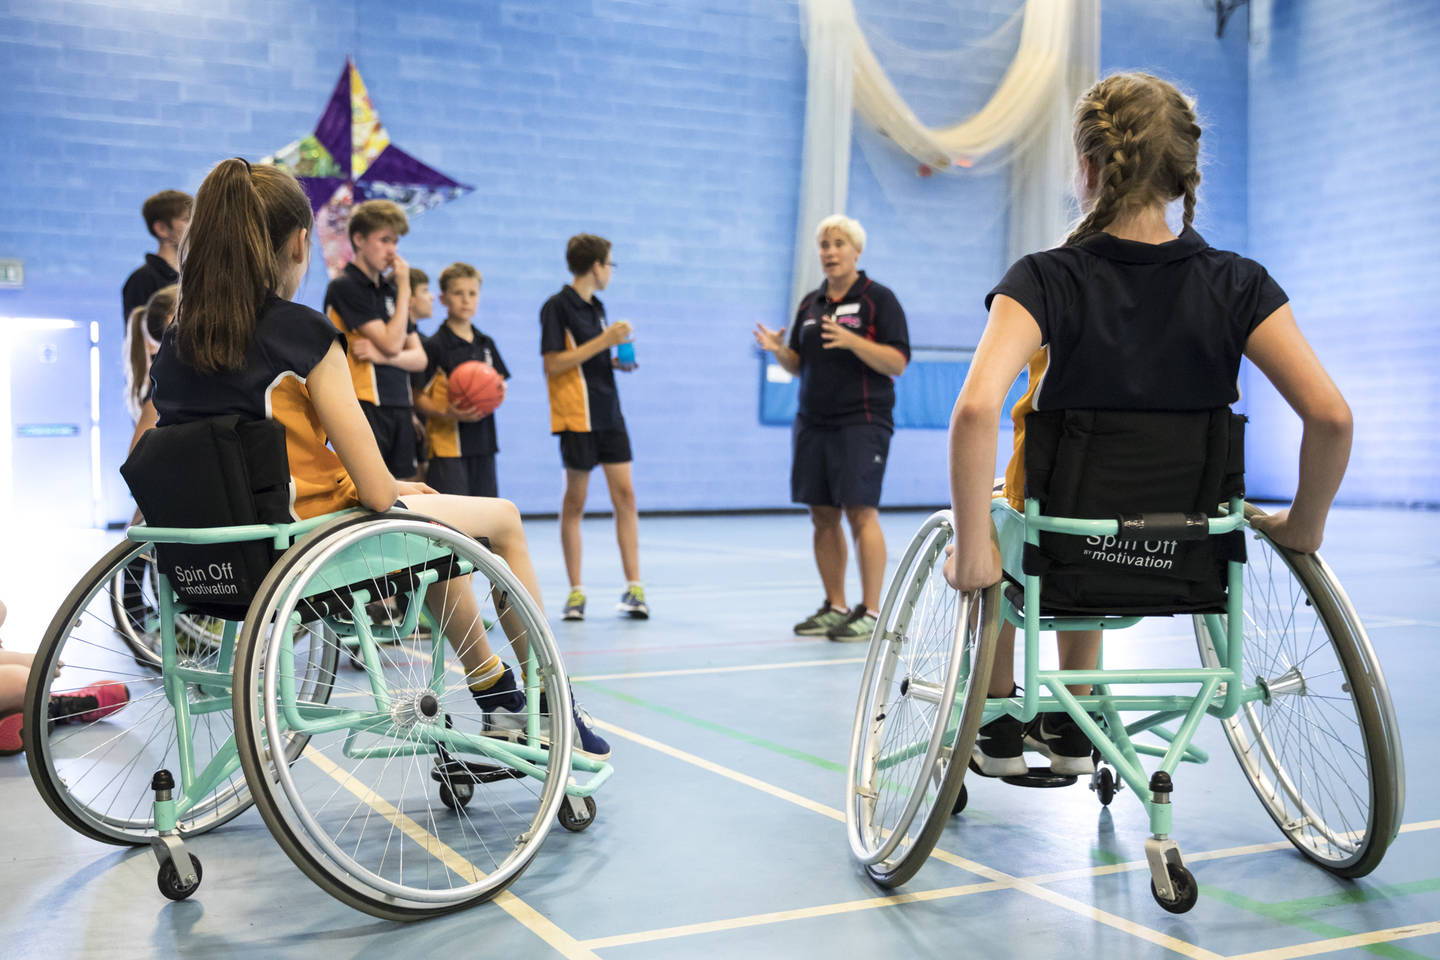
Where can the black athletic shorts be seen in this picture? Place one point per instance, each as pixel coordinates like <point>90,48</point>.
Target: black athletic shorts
<point>838,466</point>
<point>395,433</point>
<point>582,451</point>
<point>467,476</point>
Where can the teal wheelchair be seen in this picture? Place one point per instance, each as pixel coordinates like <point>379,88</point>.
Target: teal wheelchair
<point>1129,516</point>
<point>387,786</point>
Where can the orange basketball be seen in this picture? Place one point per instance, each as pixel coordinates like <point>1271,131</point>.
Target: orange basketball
<point>476,385</point>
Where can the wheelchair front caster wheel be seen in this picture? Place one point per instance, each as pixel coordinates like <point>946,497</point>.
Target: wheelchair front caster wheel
<point>169,880</point>
<point>572,821</point>
<point>1104,785</point>
<point>961,800</point>
<point>456,796</point>
<point>1186,890</point>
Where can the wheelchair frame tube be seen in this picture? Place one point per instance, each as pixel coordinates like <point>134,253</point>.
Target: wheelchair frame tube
<point>1118,750</point>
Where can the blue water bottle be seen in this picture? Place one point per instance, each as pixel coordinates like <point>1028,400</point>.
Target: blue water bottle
<point>625,355</point>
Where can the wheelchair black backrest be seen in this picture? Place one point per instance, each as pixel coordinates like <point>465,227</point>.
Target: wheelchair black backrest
<point>1118,464</point>
<point>221,471</point>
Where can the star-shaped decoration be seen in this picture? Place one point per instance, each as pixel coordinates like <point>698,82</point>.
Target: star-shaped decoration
<point>348,159</point>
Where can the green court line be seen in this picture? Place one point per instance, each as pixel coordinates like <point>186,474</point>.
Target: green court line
<point>1363,895</point>
<point>1291,913</point>
<point>1286,914</point>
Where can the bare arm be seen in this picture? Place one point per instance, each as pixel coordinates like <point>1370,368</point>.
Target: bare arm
<point>559,361</point>
<point>1011,337</point>
<point>333,394</point>
<point>411,358</point>
<point>774,341</point>
<point>1280,351</point>
<point>877,356</point>
<point>148,416</point>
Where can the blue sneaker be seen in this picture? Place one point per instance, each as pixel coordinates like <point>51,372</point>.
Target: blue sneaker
<point>574,606</point>
<point>587,742</point>
<point>632,603</point>
<point>503,706</point>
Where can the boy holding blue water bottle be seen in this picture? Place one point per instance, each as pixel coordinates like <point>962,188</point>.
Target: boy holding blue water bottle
<point>576,342</point>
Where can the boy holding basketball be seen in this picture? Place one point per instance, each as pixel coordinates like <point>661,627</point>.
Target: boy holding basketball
<point>372,310</point>
<point>462,438</point>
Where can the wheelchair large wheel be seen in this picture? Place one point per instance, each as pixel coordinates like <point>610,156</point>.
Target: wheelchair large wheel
<point>364,812</point>
<point>1321,748</point>
<point>922,699</point>
<point>94,768</point>
<point>135,611</point>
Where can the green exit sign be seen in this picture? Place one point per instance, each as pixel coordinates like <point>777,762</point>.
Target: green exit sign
<point>12,274</point>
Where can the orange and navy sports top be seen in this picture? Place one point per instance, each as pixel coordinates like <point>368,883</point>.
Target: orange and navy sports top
<point>446,350</point>
<point>351,301</point>
<point>290,340</point>
<point>1126,325</point>
<point>583,399</point>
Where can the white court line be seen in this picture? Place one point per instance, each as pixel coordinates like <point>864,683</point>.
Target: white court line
<point>1001,880</point>
<point>782,916</point>
<point>528,916</point>
<point>693,671</point>
<point>1317,947</point>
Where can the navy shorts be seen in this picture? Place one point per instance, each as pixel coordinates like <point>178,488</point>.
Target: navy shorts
<point>838,466</point>
<point>395,433</point>
<point>467,476</point>
<point>582,451</point>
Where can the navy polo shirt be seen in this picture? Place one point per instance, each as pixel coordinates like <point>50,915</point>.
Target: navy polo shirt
<point>352,301</point>
<point>1140,326</point>
<point>446,351</point>
<point>837,388</point>
<point>154,274</point>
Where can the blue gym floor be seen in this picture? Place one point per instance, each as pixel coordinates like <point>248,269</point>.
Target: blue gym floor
<point>722,835</point>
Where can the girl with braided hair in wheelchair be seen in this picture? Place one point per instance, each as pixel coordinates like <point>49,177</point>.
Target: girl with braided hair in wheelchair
<point>240,346</point>
<point>1126,315</point>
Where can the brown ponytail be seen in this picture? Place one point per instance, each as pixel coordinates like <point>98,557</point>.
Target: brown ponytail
<point>1141,134</point>
<point>142,334</point>
<point>230,259</point>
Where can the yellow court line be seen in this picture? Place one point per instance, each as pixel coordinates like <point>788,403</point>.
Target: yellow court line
<point>693,671</point>
<point>1317,947</point>
<point>528,916</point>
<point>781,916</point>
<point>1000,879</point>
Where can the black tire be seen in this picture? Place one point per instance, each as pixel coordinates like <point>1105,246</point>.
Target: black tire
<point>305,832</point>
<point>932,646</point>
<point>1187,892</point>
<point>962,800</point>
<point>1105,786</point>
<point>457,796</point>
<point>570,822</point>
<point>168,880</point>
<point>106,795</point>
<point>1327,712</point>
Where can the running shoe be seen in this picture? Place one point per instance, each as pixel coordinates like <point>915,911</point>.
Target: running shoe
<point>821,622</point>
<point>632,603</point>
<point>574,606</point>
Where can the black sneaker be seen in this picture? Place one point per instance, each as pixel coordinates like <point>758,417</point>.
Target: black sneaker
<point>503,706</point>
<point>821,622</point>
<point>1060,738</point>
<point>857,627</point>
<point>1000,748</point>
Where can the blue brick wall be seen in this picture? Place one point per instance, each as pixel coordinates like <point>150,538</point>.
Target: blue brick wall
<point>1344,129</point>
<point>673,128</point>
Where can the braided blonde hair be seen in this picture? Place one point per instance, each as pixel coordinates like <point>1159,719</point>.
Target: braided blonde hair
<point>1141,134</point>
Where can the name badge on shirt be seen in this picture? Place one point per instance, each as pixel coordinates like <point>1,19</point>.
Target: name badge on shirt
<point>848,315</point>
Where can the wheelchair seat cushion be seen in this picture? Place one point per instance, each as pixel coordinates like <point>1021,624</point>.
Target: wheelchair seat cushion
<point>218,472</point>
<point>1116,464</point>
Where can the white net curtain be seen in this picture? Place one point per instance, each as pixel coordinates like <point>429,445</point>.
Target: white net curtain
<point>1024,126</point>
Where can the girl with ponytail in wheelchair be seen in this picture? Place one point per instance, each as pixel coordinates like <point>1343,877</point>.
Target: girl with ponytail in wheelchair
<point>1126,315</point>
<point>240,346</point>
